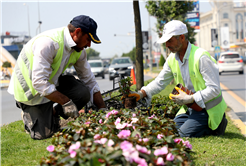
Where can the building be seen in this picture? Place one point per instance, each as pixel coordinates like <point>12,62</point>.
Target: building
<point>229,16</point>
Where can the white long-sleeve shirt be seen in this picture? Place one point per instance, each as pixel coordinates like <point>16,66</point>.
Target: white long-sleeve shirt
<point>208,69</point>
<point>44,51</point>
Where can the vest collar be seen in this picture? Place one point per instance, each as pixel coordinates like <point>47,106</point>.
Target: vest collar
<point>68,40</point>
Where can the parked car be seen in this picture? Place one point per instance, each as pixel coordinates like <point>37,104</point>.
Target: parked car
<point>230,62</point>
<point>70,71</point>
<point>97,68</point>
<point>120,66</point>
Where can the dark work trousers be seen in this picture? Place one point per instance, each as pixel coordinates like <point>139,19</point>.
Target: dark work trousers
<point>39,119</point>
<point>193,123</point>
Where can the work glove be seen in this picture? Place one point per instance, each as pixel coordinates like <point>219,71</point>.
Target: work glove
<point>138,95</point>
<point>70,109</point>
<point>182,98</point>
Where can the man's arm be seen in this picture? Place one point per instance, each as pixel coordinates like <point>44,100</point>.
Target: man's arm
<point>98,100</point>
<point>58,97</point>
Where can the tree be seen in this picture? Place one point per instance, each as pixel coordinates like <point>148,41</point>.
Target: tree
<point>6,64</point>
<point>165,11</point>
<point>162,61</point>
<point>91,53</point>
<point>131,54</point>
<point>139,47</point>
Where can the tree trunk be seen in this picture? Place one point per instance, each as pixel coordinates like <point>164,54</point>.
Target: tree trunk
<point>139,48</point>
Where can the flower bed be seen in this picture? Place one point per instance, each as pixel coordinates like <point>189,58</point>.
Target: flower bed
<point>121,137</point>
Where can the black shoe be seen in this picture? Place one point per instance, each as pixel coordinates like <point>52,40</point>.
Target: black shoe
<point>221,129</point>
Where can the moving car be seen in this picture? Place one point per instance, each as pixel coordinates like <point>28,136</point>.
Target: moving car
<point>120,66</point>
<point>230,62</point>
<point>97,68</point>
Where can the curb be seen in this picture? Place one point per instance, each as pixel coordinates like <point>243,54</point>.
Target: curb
<point>235,119</point>
<point>237,122</point>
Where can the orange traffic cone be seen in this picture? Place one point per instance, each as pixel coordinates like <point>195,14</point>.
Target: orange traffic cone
<point>133,77</point>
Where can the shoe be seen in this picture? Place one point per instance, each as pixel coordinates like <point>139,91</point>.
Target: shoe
<point>25,127</point>
<point>222,127</point>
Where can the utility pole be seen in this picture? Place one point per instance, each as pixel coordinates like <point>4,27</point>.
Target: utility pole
<point>150,46</point>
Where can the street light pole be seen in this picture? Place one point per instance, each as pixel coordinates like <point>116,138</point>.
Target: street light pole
<point>28,19</point>
<point>39,21</point>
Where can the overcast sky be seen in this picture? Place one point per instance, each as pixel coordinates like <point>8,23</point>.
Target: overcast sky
<point>112,17</point>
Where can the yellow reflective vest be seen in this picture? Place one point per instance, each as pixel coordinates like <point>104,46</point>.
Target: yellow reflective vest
<point>22,74</point>
<point>215,107</point>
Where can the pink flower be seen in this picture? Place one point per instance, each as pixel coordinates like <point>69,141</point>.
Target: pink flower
<point>142,149</point>
<point>160,136</point>
<point>87,122</point>
<point>134,115</point>
<point>100,121</point>
<point>103,140</point>
<point>51,148</point>
<point>121,126</point>
<point>178,140</point>
<point>162,151</point>
<point>110,142</point>
<point>114,112</point>
<point>108,114</point>
<point>152,116</point>
<point>73,154</point>
<point>74,147</point>
<point>97,136</point>
<point>130,154</point>
<point>160,161</point>
<point>140,161</point>
<point>134,120</point>
<point>125,145</point>
<point>124,134</point>
<point>187,144</point>
<point>170,157</point>
<point>145,139</point>
<point>117,121</point>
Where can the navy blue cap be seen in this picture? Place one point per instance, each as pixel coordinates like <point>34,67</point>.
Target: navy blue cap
<point>87,25</point>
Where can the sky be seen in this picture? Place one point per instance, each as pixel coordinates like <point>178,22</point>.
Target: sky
<point>115,20</point>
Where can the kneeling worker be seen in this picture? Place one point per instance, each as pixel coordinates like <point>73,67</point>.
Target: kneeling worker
<point>194,68</point>
<point>37,82</point>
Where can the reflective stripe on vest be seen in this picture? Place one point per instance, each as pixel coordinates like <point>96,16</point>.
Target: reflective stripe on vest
<point>215,107</point>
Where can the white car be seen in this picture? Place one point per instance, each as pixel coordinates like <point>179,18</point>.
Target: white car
<point>97,68</point>
<point>230,62</point>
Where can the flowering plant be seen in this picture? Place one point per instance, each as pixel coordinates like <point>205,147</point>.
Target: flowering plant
<point>125,84</point>
<point>119,137</point>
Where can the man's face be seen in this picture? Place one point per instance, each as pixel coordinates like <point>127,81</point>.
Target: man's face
<point>174,44</point>
<point>82,40</point>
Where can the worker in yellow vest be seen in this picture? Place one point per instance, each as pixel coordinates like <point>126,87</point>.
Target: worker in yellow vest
<point>39,86</point>
<point>195,69</point>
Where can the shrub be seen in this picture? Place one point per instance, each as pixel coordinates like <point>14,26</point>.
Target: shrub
<point>120,137</point>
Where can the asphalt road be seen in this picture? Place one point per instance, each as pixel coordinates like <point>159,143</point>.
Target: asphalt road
<point>11,113</point>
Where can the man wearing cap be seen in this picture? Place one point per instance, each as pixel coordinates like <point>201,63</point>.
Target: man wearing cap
<point>196,70</point>
<point>39,86</point>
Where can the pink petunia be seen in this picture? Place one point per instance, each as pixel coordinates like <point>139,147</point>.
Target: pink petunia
<point>160,161</point>
<point>130,154</point>
<point>121,126</point>
<point>97,136</point>
<point>110,142</point>
<point>100,121</point>
<point>117,121</point>
<point>73,154</point>
<point>125,145</point>
<point>145,139</point>
<point>140,161</point>
<point>108,114</point>
<point>160,136</point>
<point>51,148</point>
<point>142,149</point>
<point>103,140</point>
<point>152,116</point>
<point>134,115</point>
<point>162,151</point>
<point>178,140</point>
<point>114,112</point>
<point>187,144</point>
<point>124,134</point>
<point>88,122</point>
<point>170,157</point>
<point>74,147</point>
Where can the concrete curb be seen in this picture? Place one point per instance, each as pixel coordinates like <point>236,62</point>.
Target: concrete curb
<point>235,119</point>
<point>237,122</point>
